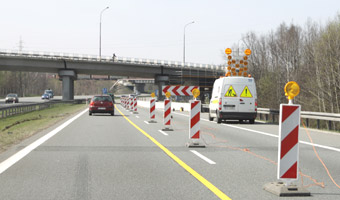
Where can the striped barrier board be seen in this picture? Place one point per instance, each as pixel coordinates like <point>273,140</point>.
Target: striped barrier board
<point>135,105</point>
<point>131,104</point>
<point>152,110</point>
<point>178,90</point>
<point>167,115</point>
<point>194,124</point>
<point>288,154</point>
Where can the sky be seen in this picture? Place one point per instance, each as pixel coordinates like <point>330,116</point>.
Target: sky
<point>151,29</point>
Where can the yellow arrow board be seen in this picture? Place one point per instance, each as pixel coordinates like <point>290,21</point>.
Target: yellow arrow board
<point>230,92</point>
<point>246,93</point>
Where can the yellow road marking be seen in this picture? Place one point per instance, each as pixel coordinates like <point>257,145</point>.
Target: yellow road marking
<point>200,178</point>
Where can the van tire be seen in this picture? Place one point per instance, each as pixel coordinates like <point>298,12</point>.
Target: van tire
<point>210,118</point>
<point>218,120</point>
<point>251,121</point>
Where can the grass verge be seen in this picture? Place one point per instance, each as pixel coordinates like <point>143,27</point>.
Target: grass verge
<point>19,127</point>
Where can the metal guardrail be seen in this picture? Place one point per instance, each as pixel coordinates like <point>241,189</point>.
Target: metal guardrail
<point>25,108</point>
<point>108,59</point>
<point>273,116</point>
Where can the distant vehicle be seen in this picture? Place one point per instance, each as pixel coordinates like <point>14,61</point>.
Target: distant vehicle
<point>233,98</point>
<point>45,96</point>
<point>101,104</point>
<point>12,98</point>
<point>50,93</point>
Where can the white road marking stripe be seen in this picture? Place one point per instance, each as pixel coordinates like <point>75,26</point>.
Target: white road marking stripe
<point>137,116</point>
<point>21,154</point>
<point>203,157</point>
<point>164,133</point>
<point>269,134</point>
<point>146,122</point>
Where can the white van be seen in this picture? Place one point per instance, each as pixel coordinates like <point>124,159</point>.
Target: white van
<point>233,98</point>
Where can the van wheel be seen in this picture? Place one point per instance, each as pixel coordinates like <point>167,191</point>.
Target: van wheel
<point>218,119</point>
<point>210,118</point>
<point>251,121</point>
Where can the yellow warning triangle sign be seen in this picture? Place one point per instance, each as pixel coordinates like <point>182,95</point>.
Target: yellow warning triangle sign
<point>246,92</point>
<point>230,92</point>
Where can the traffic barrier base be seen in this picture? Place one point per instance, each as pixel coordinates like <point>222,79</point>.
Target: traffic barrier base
<point>281,189</point>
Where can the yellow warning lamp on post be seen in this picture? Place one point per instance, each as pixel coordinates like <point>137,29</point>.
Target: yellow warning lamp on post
<point>196,92</point>
<point>228,51</point>
<point>247,52</point>
<point>168,95</point>
<point>153,95</point>
<point>292,89</point>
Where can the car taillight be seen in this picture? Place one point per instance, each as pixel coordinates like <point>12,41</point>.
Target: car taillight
<point>241,100</point>
<point>92,103</point>
<point>220,104</point>
<point>110,104</point>
<point>255,104</point>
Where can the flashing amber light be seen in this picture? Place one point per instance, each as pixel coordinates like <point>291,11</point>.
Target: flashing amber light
<point>247,52</point>
<point>249,75</point>
<point>245,63</point>
<point>245,58</point>
<point>292,89</point>
<point>245,74</point>
<point>241,69</point>
<point>229,57</point>
<point>233,69</point>
<point>240,73</point>
<point>229,62</point>
<point>229,73</point>
<point>229,68</point>
<point>228,51</point>
<point>241,61</point>
<point>234,73</point>
<point>233,61</point>
<point>237,65</point>
<point>245,68</point>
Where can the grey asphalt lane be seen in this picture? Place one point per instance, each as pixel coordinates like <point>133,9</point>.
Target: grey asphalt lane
<point>105,157</point>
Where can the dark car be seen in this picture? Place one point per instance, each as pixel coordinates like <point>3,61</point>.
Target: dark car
<point>45,96</point>
<point>12,98</point>
<point>101,104</point>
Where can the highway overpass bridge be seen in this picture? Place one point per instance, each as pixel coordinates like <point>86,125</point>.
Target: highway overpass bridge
<point>67,66</point>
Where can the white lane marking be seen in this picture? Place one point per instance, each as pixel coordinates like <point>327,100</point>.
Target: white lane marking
<point>21,154</point>
<point>272,135</point>
<point>246,129</point>
<point>164,133</point>
<point>203,157</point>
<point>137,116</point>
<point>146,122</point>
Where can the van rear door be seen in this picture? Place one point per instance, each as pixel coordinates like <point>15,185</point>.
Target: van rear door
<point>247,98</point>
<point>229,98</point>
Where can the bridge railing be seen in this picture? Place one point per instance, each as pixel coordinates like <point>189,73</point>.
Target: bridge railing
<point>25,108</point>
<point>109,59</point>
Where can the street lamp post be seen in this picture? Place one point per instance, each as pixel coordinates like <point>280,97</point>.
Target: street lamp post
<point>100,32</point>
<point>184,50</point>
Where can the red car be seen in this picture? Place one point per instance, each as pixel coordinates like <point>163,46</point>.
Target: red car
<point>101,104</point>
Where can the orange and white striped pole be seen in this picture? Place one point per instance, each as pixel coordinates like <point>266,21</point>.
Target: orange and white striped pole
<point>131,104</point>
<point>167,113</point>
<point>194,121</point>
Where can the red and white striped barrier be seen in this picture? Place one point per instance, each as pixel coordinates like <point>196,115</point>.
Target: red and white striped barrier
<point>194,124</point>
<point>288,155</point>
<point>167,115</point>
<point>152,110</point>
<point>135,105</point>
<point>131,104</point>
<point>176,90</point>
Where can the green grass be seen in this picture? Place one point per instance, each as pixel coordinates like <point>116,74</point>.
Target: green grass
<point>19,127</point>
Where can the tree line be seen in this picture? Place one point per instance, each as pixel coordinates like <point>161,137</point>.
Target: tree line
<point>309,55</point>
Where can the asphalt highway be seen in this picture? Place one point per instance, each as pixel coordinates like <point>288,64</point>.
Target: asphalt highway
<point>125,157</point>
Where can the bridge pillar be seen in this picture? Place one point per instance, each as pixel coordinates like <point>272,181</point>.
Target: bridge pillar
<point>161,80</point>
<point>68,77</point>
